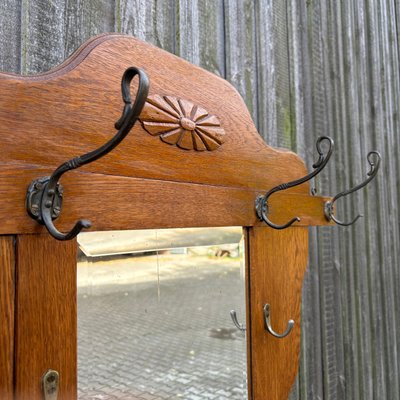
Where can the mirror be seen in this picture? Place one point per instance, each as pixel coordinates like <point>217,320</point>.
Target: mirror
<point>154,314</point>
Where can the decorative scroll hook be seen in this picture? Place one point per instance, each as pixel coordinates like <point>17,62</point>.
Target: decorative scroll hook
<point>267,324</point>
<point>319,165</point>
<point>44,196</point>
<point>374,164</point>
<point>241,327</point>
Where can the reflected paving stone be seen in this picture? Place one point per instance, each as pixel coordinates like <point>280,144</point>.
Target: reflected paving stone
<point>133,339</point>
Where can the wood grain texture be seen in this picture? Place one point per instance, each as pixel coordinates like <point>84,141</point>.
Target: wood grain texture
<point>344,81</point>
<point>7,286</point>
<point>84,19</point>
<point>73,90</point>
<point>345,56</point>
<point>149,20</point>
<point>278,260</point>
<point>112,202</point>
<point>179,122</point>
<point>248,316</point>
<point>240,51</point>
<point>10,35</point>
<point>46,319</point>
<point>200,24</point>
<point>42,42</point>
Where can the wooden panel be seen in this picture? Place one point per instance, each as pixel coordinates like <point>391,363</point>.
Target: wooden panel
<point>42,41</point>
<point>112,202</point>
<point>240,51</point>
<point>84,19</point>
<point>201,34</point>
<point>10,35</point>
<point>149,20</point>
<point>7,282</point>
<point>278,260</point>
<point>46,320</point>
<point>248,316</point>
<point>243,159</point>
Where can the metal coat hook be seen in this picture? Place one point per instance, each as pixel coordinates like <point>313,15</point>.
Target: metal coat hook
<point>241,327</point>
<point>319,165</point>
<point>267,324</point>
<point>374,160</point>
<point>44,195</point>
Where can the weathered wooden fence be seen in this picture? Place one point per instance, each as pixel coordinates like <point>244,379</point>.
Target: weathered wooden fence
<point>305,68</point>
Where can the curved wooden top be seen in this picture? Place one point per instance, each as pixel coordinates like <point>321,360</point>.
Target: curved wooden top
<point>49,118</point>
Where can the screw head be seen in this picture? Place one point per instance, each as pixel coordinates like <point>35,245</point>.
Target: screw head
<point>35,209</point>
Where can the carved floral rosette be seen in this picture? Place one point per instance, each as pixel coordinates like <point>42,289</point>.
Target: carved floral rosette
<point>179,122</point>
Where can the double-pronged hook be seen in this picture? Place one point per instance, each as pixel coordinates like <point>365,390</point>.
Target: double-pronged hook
<point>262,201</point>
<point>44,196</point>
<point>374,160</point>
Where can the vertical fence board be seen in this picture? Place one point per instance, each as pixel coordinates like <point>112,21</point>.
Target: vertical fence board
<point>10,35</point>
<point>86,18</point>
<point>152,21</point>
<point>200,34</point>
<point>42,31</point>
<point>240,51</point>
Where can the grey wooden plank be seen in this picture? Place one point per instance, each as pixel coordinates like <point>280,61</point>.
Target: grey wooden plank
<point>152,21</point>
<point>10,35</point>
<point>274,106</point>
<point>360,339</point>
<point>85,19</point>
<point>240,50</point>
<point>322,124</point>
<point>310,379</point>
<point>378,214</point>
<point>357,344</point>
<point>394,84</point>
<point>386,202</point>
<point>266,73</point>
<point>200,33</point>
<point>51,31</point>
<point>42,26</point>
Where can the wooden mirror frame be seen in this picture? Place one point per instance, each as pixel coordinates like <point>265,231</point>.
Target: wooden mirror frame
<point>144,183</point>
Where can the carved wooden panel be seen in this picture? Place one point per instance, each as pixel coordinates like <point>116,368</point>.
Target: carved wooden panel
<point>180,122</point>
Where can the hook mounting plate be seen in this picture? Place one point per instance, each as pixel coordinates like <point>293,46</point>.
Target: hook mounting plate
<point>34,198</point>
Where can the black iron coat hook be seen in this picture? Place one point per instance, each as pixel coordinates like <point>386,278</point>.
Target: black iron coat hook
<point>44,195</point>
<point>262,201</point>
<point>374,164</point>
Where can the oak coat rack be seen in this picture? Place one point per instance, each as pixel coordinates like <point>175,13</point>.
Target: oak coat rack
<point>192,159</point>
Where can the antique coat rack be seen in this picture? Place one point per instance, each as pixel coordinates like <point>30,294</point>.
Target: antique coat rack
<point>184,153</point>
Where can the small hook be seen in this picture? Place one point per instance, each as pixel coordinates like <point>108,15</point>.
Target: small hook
<point>267,324</point>
<point>241,327</point>
<point>374,164</point>
<point>319,165</point>
<point>44,196</point>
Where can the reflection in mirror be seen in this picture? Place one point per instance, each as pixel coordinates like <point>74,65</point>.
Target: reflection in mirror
<point>154,316</point>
